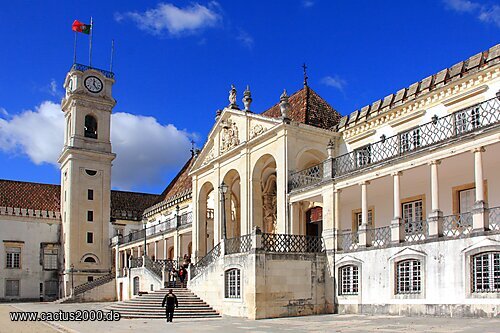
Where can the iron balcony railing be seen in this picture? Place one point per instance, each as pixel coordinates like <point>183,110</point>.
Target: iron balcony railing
<point>494,218</point>
<point>206,261</point>
<point>460,123</point>
<point>284,243</point>
<point>240,244</point>
<point>83,68</point>
<point>458,225</point>
<point>169,225</point>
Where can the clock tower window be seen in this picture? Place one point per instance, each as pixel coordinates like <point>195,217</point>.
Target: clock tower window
<point>90,130</point>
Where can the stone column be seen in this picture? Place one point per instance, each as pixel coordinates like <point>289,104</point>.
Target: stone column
<point>177,243</point>
<point>480,218</point>
<point>328,217</point>
<point>295,218</point>
<point>435,218</point>
<point>117,261</point>
<point>363,229</point>
<point>165,248</point>
<point>156,250</point>
<point>397,227</point>
<point>336,218</point>
<point>138,251</point>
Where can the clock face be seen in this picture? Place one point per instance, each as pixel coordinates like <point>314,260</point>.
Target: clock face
<point>93,84</point>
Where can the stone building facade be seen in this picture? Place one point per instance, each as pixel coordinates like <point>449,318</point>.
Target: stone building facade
<point>297,210</point>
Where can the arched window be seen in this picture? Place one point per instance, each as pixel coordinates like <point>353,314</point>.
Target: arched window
<point>486,272</point>
<point>90,259</point>
<point>232,282</point>
<point>348,280</point>
<point>408,277</point>
<point>90,130</point>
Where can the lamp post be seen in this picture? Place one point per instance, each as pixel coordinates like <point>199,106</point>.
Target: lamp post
<point>177,225</point>
<point>145,235</point>
<point>223,189</point>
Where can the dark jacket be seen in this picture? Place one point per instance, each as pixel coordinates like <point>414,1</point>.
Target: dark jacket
<point>170,300</point>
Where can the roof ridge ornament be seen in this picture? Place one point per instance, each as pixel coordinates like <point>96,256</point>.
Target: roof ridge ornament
<point>284,106</point>
<point>247,99</point>
<point>232,98</point>
<point>304,67</point>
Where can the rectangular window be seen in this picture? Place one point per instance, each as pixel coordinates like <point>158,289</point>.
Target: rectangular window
<point>358,216</point>
<point>50,259</point>
<point>51,288</point>
<point>13,257</point>
<point>412,216</point>
<point>90,194</point>
<point>466,200</point>
<point>349,280</point>
<point>11,288</point>
<point>467,120</point>
<point>90,215</point>
<point>232,283</point>
<point>90,237</point>
<point>90,278</point>
<point>410,140</point>
<point>363,156</point>
<point>408,277</point>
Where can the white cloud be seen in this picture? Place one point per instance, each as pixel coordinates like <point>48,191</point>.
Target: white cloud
<point>53,88</point>
<point>307,3</point>
<point>334,81</point>
<point>145,148</point>
<point>245,39</point>
<point>484,12</point>
<point>3,112</point>
<point>174,20</point>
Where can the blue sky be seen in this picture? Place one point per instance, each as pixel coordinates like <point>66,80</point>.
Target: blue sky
<point>174,63</point>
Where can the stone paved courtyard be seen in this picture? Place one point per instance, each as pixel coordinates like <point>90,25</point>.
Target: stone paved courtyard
<point>324,323</point>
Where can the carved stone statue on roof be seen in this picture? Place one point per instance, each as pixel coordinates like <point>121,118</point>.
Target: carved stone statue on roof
<point>232,98</point>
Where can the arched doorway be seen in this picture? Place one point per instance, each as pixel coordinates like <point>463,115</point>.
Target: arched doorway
<point>264,194</point>
<point>206,202</point>
<point>314,221</point>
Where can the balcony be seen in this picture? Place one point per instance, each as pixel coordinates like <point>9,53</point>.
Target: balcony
<point>83,68</point>
<point>460,124</point>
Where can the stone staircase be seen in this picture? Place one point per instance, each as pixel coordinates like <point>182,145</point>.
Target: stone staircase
<point>149,306</point>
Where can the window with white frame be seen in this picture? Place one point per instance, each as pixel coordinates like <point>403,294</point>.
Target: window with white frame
<point>467,120</point>
<point>363,156</point>
<point>232,281</point>
<point>466,200</point>
<point>50,258</point>
<point>412,216</point>
<point>359,218</point>
<point>486,272</point>
<point>410,140</point>
<point>11,288</point>
<point>13,257</point>
<point>349,280</point>
<point>408,277</point>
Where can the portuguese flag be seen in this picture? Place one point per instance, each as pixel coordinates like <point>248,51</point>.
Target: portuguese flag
<point>81,27</point>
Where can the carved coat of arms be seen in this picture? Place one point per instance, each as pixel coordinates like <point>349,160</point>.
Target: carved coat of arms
<point>229,135</point>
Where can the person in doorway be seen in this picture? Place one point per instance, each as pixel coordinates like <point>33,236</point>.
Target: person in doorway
<point>169,302</point>
<point>174,275</point>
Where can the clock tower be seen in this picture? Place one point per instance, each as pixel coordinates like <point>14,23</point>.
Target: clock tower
<point>85,164</point>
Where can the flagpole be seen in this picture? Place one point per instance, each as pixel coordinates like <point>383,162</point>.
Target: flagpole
<point>74,51</point>
<point>112,51</point>
<point>90,41</point>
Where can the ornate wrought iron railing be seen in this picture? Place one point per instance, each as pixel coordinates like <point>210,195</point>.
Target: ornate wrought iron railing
<point>458,225</point>
<point>168,264</point>
<point>460,123</point>
<point>206,260</point>
<point>348,241</point>
<point>494,218</point>
<point>240,244</point>
<point>135,262</point>
<point>169,225</point>
<point>92,284</point>
<point>380,237</point>
<point>154,266</point>
<point>416,231</point>
<point>82,68</point>
<point>284,243</point>
<point>309,176</point>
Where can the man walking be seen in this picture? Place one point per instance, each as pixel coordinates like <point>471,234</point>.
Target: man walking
<point>169,301</point>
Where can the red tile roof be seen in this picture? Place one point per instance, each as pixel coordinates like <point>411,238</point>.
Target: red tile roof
<point>48,197</point>
<point>181,184</point>
<point>30,195</point>
<point>307,107</point>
